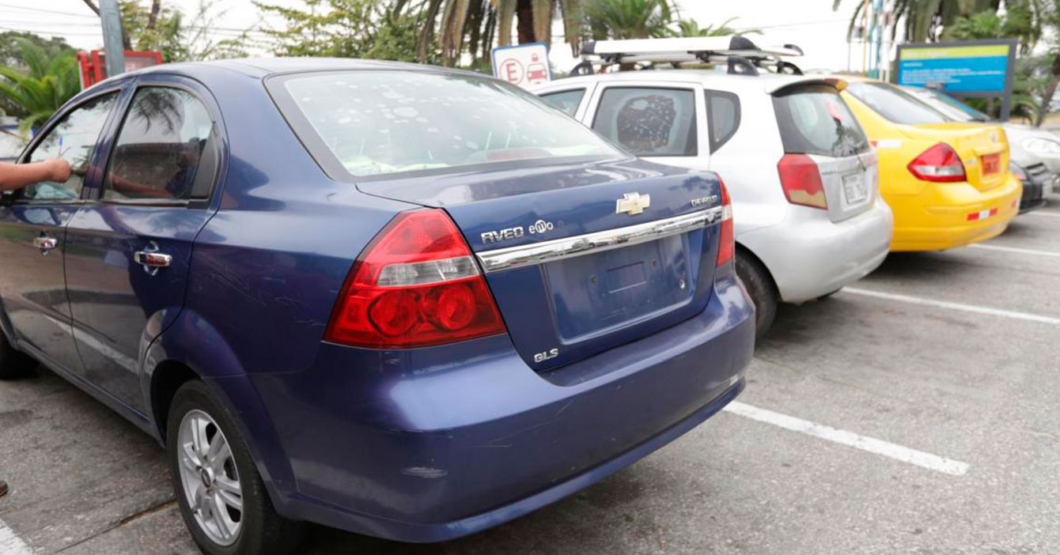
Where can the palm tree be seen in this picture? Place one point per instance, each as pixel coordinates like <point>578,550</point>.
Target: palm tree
<point>478,21</point>
<point>923,20</point>
<point>629,19</point>
<point>691,28</point>
<point>46,83</point>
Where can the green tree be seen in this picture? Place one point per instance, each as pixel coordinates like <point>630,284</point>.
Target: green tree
<point>476,23</point>
<point>691,28</point>
<point>922,20</point>
<point>1018,22</point>
<point>11,48</point>
<point>42,85</point>
<point>177,37</point>
<point>629,19</point>
<point>348,29</point>
<point>1049,16</point>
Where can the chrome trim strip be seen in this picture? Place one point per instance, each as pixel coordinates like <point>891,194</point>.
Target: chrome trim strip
<point>550,251</point>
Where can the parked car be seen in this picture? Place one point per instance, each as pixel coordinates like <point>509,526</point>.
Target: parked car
<point>801,173</point>
<point>404,301</point>
<point>1035,178</point>
<point>948,183</point>
<point>1024,140</point>
<point>1035,152</point>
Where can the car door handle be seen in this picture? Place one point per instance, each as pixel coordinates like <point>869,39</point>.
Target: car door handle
<point>45,243</point>
<point>152,260</point>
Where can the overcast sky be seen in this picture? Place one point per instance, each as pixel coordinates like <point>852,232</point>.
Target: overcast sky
<point>810,24</point>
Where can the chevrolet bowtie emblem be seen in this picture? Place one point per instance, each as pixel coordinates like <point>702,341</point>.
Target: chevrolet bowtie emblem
<point>632,203</point>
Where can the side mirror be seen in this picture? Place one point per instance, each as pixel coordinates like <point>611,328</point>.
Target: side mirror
<point>8,198</point>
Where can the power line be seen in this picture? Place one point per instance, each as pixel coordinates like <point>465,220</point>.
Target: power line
<point>34,26</point>
<point>41,10</point>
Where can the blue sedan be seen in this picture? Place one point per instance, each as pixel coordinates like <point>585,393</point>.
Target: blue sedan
<point>403,301</point>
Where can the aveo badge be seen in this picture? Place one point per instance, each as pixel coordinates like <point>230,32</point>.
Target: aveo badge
<point>506,234</point>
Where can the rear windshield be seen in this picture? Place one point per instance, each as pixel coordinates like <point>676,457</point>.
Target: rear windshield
<point>896,105</point>
<point>815,120</point>
<point>385,122</point>
<point>955,109</point>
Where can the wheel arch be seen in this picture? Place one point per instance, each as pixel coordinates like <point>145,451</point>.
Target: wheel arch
<point>742,249</point>
<point>192,349</point>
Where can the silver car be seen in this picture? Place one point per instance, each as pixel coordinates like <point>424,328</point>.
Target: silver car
<point>802,175</point>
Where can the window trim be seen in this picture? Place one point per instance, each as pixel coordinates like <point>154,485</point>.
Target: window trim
<point>715,144</point>
<point>18,195</point>
<point>216,131</point>
<point>691,88</point>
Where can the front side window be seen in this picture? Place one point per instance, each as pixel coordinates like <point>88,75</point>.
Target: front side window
<point>895,105</point>
<point>73,139</point>
<point>385,122</point>
<point>815,120</point>
<point>161,148</point>
<point>565,101</point>
<point>649,121</point>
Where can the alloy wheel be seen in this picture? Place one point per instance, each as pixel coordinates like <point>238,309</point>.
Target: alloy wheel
<point>210,478</point>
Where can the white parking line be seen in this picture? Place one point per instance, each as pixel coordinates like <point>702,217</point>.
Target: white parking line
<point>955,306</point>
<point>1016,250</point>
<point>850,439</point>
<point>10,544</point>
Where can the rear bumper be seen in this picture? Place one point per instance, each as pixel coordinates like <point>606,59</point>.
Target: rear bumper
<point>938,218</point>
<point>410,447</point>
<point>809,256</point>
<point>1033,196</point>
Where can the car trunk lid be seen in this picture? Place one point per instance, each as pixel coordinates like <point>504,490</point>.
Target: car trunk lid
<point>816,122</point>
<point>582,258</point>
<point>982,148</point>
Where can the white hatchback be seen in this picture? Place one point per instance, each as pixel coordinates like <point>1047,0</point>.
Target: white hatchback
<point>801,173</point>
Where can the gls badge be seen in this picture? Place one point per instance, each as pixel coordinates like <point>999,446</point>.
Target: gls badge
<point>547,355</point>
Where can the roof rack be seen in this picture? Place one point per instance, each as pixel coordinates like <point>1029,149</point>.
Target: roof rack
<point>677,51</point>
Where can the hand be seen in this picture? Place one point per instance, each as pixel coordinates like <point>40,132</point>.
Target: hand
<point>58,169</point>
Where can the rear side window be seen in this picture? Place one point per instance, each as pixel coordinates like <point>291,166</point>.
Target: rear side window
<point>566,101</point>
<point>895,105</point>
<point>164,151</point>
<point>815,120</point>
<point>723,112</point>
<point>649,121</point>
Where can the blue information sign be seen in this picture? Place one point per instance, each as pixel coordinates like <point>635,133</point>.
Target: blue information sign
<point>963,69</point>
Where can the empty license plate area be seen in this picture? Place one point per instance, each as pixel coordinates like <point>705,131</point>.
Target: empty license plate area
<point>599,291</point>
<point>855,190</point>
<point>991,164</point>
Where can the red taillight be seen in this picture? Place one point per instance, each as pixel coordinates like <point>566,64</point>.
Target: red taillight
<point>801,181</point>
<point>939,163</point>
<point>415,285</point>
<point>726,239</point>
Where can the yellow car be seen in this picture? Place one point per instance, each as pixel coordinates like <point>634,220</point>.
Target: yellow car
<point>948,183</point>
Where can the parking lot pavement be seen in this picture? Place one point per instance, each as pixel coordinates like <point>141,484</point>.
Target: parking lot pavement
<point>928,355</point>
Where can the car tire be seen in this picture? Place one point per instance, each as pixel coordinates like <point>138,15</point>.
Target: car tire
<point>759,285</point>
<point>13,363</point>
<point>253,529</point>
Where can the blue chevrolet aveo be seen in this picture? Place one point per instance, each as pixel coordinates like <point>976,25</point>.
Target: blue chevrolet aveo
<point>399,300</point>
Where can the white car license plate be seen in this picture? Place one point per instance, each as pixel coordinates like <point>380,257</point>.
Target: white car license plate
<point>854,189</point>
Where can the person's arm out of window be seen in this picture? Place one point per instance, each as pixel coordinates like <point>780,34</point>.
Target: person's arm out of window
<point>17,176</point>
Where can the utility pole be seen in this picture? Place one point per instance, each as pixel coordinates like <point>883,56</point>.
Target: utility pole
<point>112,43</point>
